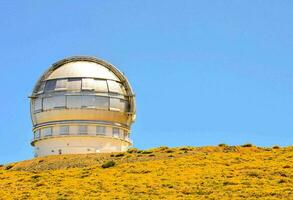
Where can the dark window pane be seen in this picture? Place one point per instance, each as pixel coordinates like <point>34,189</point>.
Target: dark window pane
<point>50,85</point>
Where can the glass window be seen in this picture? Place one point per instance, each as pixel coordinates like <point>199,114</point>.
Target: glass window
<point>82,130</point>
<point>54,102</point>
<point>37,134</point>
<point>61,84</point>
<point>47,131</point>
<point>116,87</point>
<point>74,84</point>
<point>48,103</point>
<point>64,130</point>
<point>118,104</point>
<point>100,85</point>
<point>50,85</point>
<point>116,132</point>
<point>59,101</point>
<point>125,135</point>
<point>101,130</point>
<point>102,102</point>
<point>74,101</point>
<point>88,101</point>
<point>42,87</point>
<point>38,104</point>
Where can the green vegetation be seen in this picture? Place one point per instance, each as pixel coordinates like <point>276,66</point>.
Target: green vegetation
<point>221,172</point>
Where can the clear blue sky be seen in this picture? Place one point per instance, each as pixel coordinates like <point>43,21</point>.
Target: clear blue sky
<point>204,72</point>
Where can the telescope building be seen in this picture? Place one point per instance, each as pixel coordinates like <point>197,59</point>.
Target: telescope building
<point>82,105</point>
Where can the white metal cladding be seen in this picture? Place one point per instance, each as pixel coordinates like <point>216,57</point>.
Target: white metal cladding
<point>74,84</point>
<point>82,69</point>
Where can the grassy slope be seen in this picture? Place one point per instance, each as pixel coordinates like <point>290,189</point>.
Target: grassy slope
<point>162,173</point>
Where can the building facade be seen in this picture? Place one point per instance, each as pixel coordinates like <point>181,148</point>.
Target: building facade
<point>82,105</point>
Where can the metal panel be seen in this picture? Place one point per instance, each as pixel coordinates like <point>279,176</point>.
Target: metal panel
<point>88,84</point>
<point>82,69</point>
<point>61,84</point>
<point>42,87</point>
<point>38,104</point>
<point>100,86</point>
<point>74,84</point>
<point>116,87</point>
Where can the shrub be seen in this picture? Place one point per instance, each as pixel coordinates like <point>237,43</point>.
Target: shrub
<point>36,176</point>
<point>8,167</point>
<point>162,148</point>
<point>108,164</point>
<point>146,152</point>
<point>247,145</point>
<point>169,151</point>
<point>222,145</point>
<point>132,150</point>
<point>276,147</point>
<point>119,155</point>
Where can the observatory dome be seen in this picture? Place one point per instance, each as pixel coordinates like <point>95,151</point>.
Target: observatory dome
<point>82,105</point>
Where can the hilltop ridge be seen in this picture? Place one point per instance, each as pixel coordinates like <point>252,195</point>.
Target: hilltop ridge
<point>161,173</point>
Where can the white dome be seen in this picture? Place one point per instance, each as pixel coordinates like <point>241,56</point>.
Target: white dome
<point>82,92</point>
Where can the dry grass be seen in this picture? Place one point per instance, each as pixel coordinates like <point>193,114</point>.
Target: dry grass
<point>223,172</point>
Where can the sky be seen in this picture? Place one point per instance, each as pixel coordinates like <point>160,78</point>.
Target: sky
<point>204,72</point>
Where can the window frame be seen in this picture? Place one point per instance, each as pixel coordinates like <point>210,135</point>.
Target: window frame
<point>103,132</point>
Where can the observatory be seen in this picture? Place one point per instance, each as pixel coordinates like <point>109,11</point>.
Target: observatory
<point>82,105</point>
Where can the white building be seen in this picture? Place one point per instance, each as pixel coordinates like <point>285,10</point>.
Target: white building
<point>82,105</point>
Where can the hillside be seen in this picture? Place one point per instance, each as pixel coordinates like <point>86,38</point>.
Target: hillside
<point>221,172</point>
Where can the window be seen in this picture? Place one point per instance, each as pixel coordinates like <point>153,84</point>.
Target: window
<point>64,130</point>
<point>48,103</point>
<point>102,102</point>
<point>47,131</point>
<point>37,134</point>
<point>101,130</point>
<point>116,132</point>
<point>50,85</point>
<point>82,130</point>
<point>118,104</point>
<point>116,87</point>
<point>125,135</point>
<point>74,84</point>
<point>74,101</point>
<point>59,101</point>
<point>88,101</point>
<point>38,104</point>
<point>61,85</point>
<point>54,102</point>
